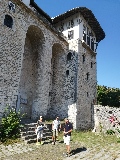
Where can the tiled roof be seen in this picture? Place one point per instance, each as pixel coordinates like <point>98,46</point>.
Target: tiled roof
<point>88,16</point>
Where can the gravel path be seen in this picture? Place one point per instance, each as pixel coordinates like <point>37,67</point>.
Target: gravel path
<point>22,151</point>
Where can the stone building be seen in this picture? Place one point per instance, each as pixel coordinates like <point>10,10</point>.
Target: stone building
<point>48,65</point>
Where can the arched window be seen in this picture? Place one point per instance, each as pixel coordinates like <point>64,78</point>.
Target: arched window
<point>69,56</point>
<point>8,21</point>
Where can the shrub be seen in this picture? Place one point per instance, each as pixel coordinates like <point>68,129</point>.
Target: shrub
<point>10,124</point>
<point>110,132</point>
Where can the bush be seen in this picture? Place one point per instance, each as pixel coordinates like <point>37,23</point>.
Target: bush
<point>110,132</point>
<point>10,124</point>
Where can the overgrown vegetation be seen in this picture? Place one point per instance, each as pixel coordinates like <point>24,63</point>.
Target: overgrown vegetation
<point>108,96</point>
<point>10,124</point>
<point>110,132</point>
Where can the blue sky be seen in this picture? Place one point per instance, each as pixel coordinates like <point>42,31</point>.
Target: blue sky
<point>107,13</point>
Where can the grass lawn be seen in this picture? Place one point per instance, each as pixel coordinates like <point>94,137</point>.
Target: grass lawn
<point>91,139</point>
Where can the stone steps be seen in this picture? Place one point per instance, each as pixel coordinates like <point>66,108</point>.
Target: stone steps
<point>28,134</point>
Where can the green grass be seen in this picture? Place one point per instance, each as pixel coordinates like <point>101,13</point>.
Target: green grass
<point>87,138</point>
<point>91,139</point>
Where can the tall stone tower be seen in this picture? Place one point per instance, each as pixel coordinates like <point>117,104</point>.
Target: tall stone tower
<point>83,33</point>
<point>48,65</point>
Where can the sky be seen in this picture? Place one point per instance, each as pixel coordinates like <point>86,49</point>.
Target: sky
<point>107,12</point>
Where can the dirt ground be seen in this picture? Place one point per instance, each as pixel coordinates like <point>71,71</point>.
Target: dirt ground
<point>38,152</point>
<point>79,151</point>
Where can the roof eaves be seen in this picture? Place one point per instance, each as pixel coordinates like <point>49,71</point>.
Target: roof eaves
<point>89,17</point>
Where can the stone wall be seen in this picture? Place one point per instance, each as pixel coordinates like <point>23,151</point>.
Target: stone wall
<point>41,72</point>
<point>81,90</point>
<point>26,52</point>
<point>101,118</point>
<point>86,87</point>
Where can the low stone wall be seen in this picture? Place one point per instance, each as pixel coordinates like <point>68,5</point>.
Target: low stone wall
<point>101,118</point>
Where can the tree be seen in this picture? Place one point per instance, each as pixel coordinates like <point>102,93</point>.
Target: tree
<point>108,96</point>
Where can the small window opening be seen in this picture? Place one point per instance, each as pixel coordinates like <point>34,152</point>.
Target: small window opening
<point>87,94</point>
<point>84,37</point>
<point>84,29</point>
<point>83,57</point>
<point>88,31</point>
<point>8,21</point>
<point>11,6</point>
<point>67,73</point>
<point>88,40</point>
<point>70,34</point>
<point>91,64</point>
<point>69,56</point>
<point>92,44</point>
<point>91,34</point>
<point>87,75</point>
<point>72,22</point>
<point>50,93</point>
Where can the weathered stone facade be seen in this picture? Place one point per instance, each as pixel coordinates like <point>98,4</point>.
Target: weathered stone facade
<point>102,116</point>
<point>42,73</point>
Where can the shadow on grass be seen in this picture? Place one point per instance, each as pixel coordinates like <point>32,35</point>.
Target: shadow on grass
<point>78,150</point>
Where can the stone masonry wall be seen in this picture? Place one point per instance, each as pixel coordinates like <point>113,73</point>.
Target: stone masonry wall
<point>82,89</point>
<point>101,118</point>
<point>26,52</point>
<point>86,87</point>
<point>40,73</point>
<point>71,82</point>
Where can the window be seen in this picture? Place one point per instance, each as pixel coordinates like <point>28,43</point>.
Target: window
<point>83,57</point>
<point>70,34</point>
<point>88,40</point>
<point>91,64</point>
<point>8,21</point>
<point>11,6</point>
<point>92,45</point>
<point>67,73</point>
<point>91,34</point>
<point>84,29</point>
<point>84,37</point>
<point>72,23</point>
<point>69,56</point>
<point>87,94</point>
<point>69,23</point>
<point>87,75</point>
<point>79,21</point>
<point>50,93</point>
<point>84,33</point>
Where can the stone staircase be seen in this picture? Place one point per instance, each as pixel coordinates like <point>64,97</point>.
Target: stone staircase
<point>28,134</point>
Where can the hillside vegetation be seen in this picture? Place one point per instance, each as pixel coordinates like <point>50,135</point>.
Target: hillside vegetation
<point>108,96</point>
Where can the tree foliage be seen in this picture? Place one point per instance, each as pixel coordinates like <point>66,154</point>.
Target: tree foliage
<point>108,96</point>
